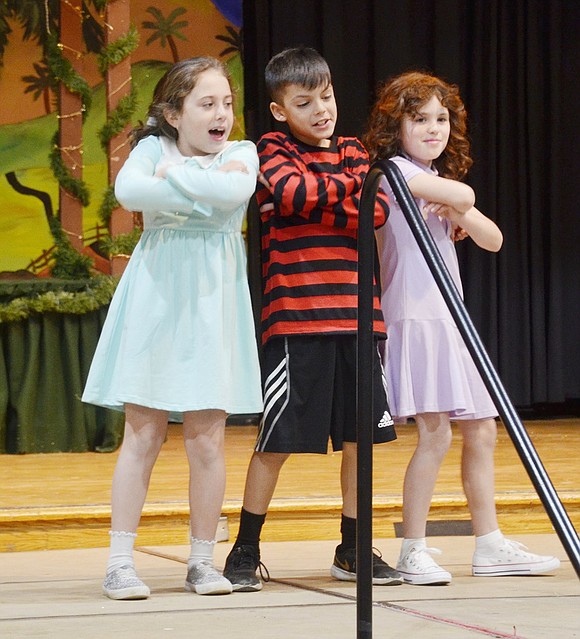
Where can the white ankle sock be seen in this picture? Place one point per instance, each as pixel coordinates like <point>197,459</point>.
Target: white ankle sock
<point>486,544</point>
<point>201,550</point>
<point>407,544</point>
<point>121,549</point>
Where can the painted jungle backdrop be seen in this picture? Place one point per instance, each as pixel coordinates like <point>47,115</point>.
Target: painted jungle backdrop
<point>42,64</point>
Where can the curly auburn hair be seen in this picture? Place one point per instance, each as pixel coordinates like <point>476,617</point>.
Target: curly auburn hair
<point>402,96</point>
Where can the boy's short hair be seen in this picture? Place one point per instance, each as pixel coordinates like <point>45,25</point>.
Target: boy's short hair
<point>303,66</point>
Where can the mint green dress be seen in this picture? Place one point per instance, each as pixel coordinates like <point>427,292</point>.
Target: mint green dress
<point>179,335</point>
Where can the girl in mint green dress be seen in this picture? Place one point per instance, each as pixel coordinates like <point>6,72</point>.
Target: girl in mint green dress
<point>179,336</point>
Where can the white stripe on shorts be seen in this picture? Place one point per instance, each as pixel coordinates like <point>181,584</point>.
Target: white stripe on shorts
<point>276,384</point>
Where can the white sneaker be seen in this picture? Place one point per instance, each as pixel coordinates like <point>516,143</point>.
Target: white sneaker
<point>204,579</point>
<point>417,567</point>
<point>511,559</point>
<point>123,583</point>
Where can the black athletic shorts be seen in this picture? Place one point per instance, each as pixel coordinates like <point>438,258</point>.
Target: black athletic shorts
<point>309,385</point>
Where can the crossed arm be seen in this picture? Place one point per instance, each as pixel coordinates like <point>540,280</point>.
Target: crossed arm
<point>456,201</point>
<point>297,190</point>
<point>142,185</point>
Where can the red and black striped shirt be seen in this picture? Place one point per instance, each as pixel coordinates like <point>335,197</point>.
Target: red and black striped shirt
<point>309,236</point>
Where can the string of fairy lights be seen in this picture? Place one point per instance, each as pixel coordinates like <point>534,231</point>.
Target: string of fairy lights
<point>66,160</point>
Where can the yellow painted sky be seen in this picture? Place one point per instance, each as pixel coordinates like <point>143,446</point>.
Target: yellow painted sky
<point>205,22</point>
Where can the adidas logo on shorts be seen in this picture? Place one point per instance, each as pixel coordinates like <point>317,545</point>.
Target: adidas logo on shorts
<point>386,420</point>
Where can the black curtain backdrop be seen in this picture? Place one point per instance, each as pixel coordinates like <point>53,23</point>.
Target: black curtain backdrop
<point>516,63</point>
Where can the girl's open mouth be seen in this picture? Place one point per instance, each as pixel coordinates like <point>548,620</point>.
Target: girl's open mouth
<point>217,134</point>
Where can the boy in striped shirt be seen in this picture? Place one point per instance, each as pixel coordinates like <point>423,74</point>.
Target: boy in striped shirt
<point>309,190</point>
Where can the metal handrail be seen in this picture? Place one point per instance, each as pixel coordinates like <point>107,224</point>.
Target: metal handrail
<point>511,420</point>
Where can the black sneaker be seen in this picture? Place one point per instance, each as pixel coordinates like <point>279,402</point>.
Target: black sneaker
<point>241,566</point>
<point>344,568</point>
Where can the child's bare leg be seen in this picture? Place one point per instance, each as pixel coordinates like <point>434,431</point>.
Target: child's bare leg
<point>415,562</point>
<point>244,559</point>
<point>494,554</point>
<point>477,472</point>
<point>434,439</point>
<point>145,432</point>
<point>261,480</point>
<point>203,433</point>
<point>348,479</point>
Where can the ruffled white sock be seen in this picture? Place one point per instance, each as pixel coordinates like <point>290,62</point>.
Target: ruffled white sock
<point>201,550</point>
<point>121,549</point>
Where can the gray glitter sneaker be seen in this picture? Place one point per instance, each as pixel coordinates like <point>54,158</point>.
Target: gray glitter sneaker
<point>204,579</point>
<point>123,583</point>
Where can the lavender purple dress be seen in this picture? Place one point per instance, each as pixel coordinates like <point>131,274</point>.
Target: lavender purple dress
<point>428,366</point>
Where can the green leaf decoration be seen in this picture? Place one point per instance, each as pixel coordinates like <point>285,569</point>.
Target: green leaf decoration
<point>97,292</point>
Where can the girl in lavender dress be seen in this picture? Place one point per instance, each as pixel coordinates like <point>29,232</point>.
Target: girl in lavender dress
<point>419,121</point>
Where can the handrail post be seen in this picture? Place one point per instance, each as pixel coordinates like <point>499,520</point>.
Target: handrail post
<point>512,423</point>
<point>364,394</point>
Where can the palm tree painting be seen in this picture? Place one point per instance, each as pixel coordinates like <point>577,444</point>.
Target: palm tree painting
<point>38,19</point>
<point>166,29</point>
<point>40,84</point>
<point>233,40</point>
<point>29,190</point>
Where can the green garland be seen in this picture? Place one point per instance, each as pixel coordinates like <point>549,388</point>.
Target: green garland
<point>117,51</point>
<point>69,263</point>
<point>77,188</point>
<point>116,121</point>
<point>118,118</point>
<point>98,293</point>
<point>108,205</point>
<point>63,71</point>
<point>123,244</point>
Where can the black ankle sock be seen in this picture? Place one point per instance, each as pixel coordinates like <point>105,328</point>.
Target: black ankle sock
<point>348,531</point>
<point>250,529</point>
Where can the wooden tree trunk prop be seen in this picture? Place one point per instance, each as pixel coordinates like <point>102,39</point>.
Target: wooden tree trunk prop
<point>118,85</point>
<point>71,120</point>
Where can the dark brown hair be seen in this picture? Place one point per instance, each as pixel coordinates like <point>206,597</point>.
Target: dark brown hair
<point>302,66</point>
<point>403,96</point>
<point>171,91</point>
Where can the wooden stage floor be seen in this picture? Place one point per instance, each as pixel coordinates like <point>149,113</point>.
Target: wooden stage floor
<point>54,517</point>
<point>61,500</point>
<point>57,593</point>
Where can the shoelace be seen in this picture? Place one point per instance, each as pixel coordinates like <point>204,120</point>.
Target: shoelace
<point>515,546</point>
<point>429,551</point>
<point>377,555</point>
<point>264,577</point>
<point>246,560</point>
